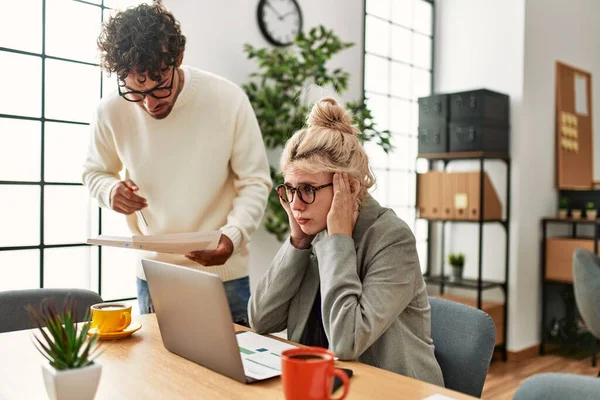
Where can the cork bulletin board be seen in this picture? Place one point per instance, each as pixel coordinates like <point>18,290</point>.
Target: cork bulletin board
<point>574,135</point>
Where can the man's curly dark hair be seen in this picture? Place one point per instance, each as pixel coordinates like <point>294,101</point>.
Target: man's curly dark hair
<point>146,39</point>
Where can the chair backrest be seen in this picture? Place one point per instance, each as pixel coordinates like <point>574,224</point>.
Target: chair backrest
<point>586,282</point>
<point>464,338</point>
<point>14,316</point>
<point>553,386</point>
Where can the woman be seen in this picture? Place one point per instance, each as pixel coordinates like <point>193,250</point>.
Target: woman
<point>348,278</point>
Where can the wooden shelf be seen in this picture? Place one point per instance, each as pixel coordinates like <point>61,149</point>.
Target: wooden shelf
<point>464,156</point>
<point>462,283</point>
<point>571,220</point>
<point>494,309</point>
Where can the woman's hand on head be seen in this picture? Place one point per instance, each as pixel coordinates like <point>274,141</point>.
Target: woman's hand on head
<point>344,208</point>
<point>299,239</point>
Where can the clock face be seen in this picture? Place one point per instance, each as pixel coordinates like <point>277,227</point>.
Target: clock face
<point>279,20</point>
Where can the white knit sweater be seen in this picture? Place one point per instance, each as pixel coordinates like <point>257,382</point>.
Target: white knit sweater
<point>202,168</point>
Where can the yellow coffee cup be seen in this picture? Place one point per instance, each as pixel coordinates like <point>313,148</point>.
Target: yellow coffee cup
<point>110,317</point>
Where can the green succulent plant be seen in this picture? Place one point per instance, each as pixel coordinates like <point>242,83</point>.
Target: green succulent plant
<point>274,91</point>
<point>564,203</point>
<point>456,259</point>
<point>61,340</point>
<point>591,205</point>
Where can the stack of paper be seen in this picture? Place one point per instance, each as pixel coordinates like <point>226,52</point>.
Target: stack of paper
<point>176,243</point>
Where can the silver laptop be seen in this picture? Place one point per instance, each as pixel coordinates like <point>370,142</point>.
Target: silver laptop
<point>195,323</point>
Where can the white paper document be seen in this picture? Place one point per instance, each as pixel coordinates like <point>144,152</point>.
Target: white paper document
<point>581,101</point>
<point>261,355</point>
<point>177,243</point>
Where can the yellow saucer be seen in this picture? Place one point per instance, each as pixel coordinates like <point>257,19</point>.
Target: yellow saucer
<point>134,326</point>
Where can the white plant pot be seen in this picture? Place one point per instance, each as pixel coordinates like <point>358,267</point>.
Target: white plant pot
<point>591,214</point>
<point>576,214</point>
<point>562,213</point>
<point>72,384</point>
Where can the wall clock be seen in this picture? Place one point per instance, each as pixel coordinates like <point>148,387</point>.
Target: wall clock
<point>280,21</point>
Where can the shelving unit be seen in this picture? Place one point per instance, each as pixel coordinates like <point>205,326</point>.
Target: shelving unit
<point>498,311</point>
<point>573,335</point>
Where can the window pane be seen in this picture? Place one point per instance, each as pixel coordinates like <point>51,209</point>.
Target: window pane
<point>422,51</point>
<point>376,74</point>
<point>123,4</point>
<point>403,156</point>
<point>401,44</point>
<point>118,273</point>
<point>20,150</point>
<point>72,90</point>
<point>380,190</point>
<point>19,269</point>
<point>377,157</point>
<point>60,38</point>
<point>400,116</point>
<point>421,83</point>
<point>20,215</point>
<point>401,81</point>
<point>67,267</point>
<point>378,39</point>
<point>402,12</point>
<point>63,165</point>
<point>380,108</point>
<point>414,120</point>
<point>380,8</point>
<point>423,17</point>
<point>21,25</point>
<point>421,229</point>
<point>66,214</point>
<point>399,188</point>
<point>25,73</point>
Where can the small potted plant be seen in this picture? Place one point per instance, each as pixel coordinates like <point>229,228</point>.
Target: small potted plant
<point>576,213</point>
<point>71,372</point>
<point>591,212</point>
<point>563,209</point>
<point>457,263</point>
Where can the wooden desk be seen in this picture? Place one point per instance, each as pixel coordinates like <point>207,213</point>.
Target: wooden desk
<point>139,367</point>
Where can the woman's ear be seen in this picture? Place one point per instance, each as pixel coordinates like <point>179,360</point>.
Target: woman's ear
<point>354,186</point>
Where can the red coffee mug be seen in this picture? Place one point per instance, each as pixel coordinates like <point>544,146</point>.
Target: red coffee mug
<point>307,374</point>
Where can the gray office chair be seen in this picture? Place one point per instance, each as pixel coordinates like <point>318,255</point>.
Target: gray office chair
<point>553,386</point>
<point>586,283</point>
<point>14,315</point>
<point>464,338</point>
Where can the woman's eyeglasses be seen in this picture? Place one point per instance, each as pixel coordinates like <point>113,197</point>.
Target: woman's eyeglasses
<point>307,193</point>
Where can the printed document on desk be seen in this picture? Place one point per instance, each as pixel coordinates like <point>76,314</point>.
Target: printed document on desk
<point>261,356</point>
<point>176,243</point>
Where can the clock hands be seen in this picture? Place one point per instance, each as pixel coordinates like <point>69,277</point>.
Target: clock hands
<point>279,16</point>
<point>268,4</point>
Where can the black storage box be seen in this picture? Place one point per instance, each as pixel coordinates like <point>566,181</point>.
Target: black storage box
<point>432,109</point>
<point>478,135</point>
<point>480,104</point>
<point>434,138</point>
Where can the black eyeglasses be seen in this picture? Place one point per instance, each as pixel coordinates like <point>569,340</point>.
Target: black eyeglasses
<point>158,93</point>
<point>307,193</point>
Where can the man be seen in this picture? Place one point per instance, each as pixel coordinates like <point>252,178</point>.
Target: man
<point>188,143</point>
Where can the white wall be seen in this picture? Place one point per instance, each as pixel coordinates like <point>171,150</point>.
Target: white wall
<point>567,32</point>
<point>479,44</point>
<point>216,32</point>
<point>512,47</point>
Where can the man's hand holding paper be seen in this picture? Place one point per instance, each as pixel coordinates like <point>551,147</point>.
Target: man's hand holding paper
<point>218,256</point>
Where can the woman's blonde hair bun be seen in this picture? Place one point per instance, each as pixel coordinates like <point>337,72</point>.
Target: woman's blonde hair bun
<point>328,113</point>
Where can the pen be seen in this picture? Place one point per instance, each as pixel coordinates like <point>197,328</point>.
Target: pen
<point>142,215</point>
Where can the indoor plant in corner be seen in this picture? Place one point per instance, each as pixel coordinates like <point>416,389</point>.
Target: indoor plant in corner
<point>71,373</point>
<point>457,263</point>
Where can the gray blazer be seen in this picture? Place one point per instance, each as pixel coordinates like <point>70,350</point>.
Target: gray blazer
<point>374,300</point>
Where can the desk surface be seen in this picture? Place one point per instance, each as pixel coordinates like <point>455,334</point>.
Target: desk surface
<point>139,367</point>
